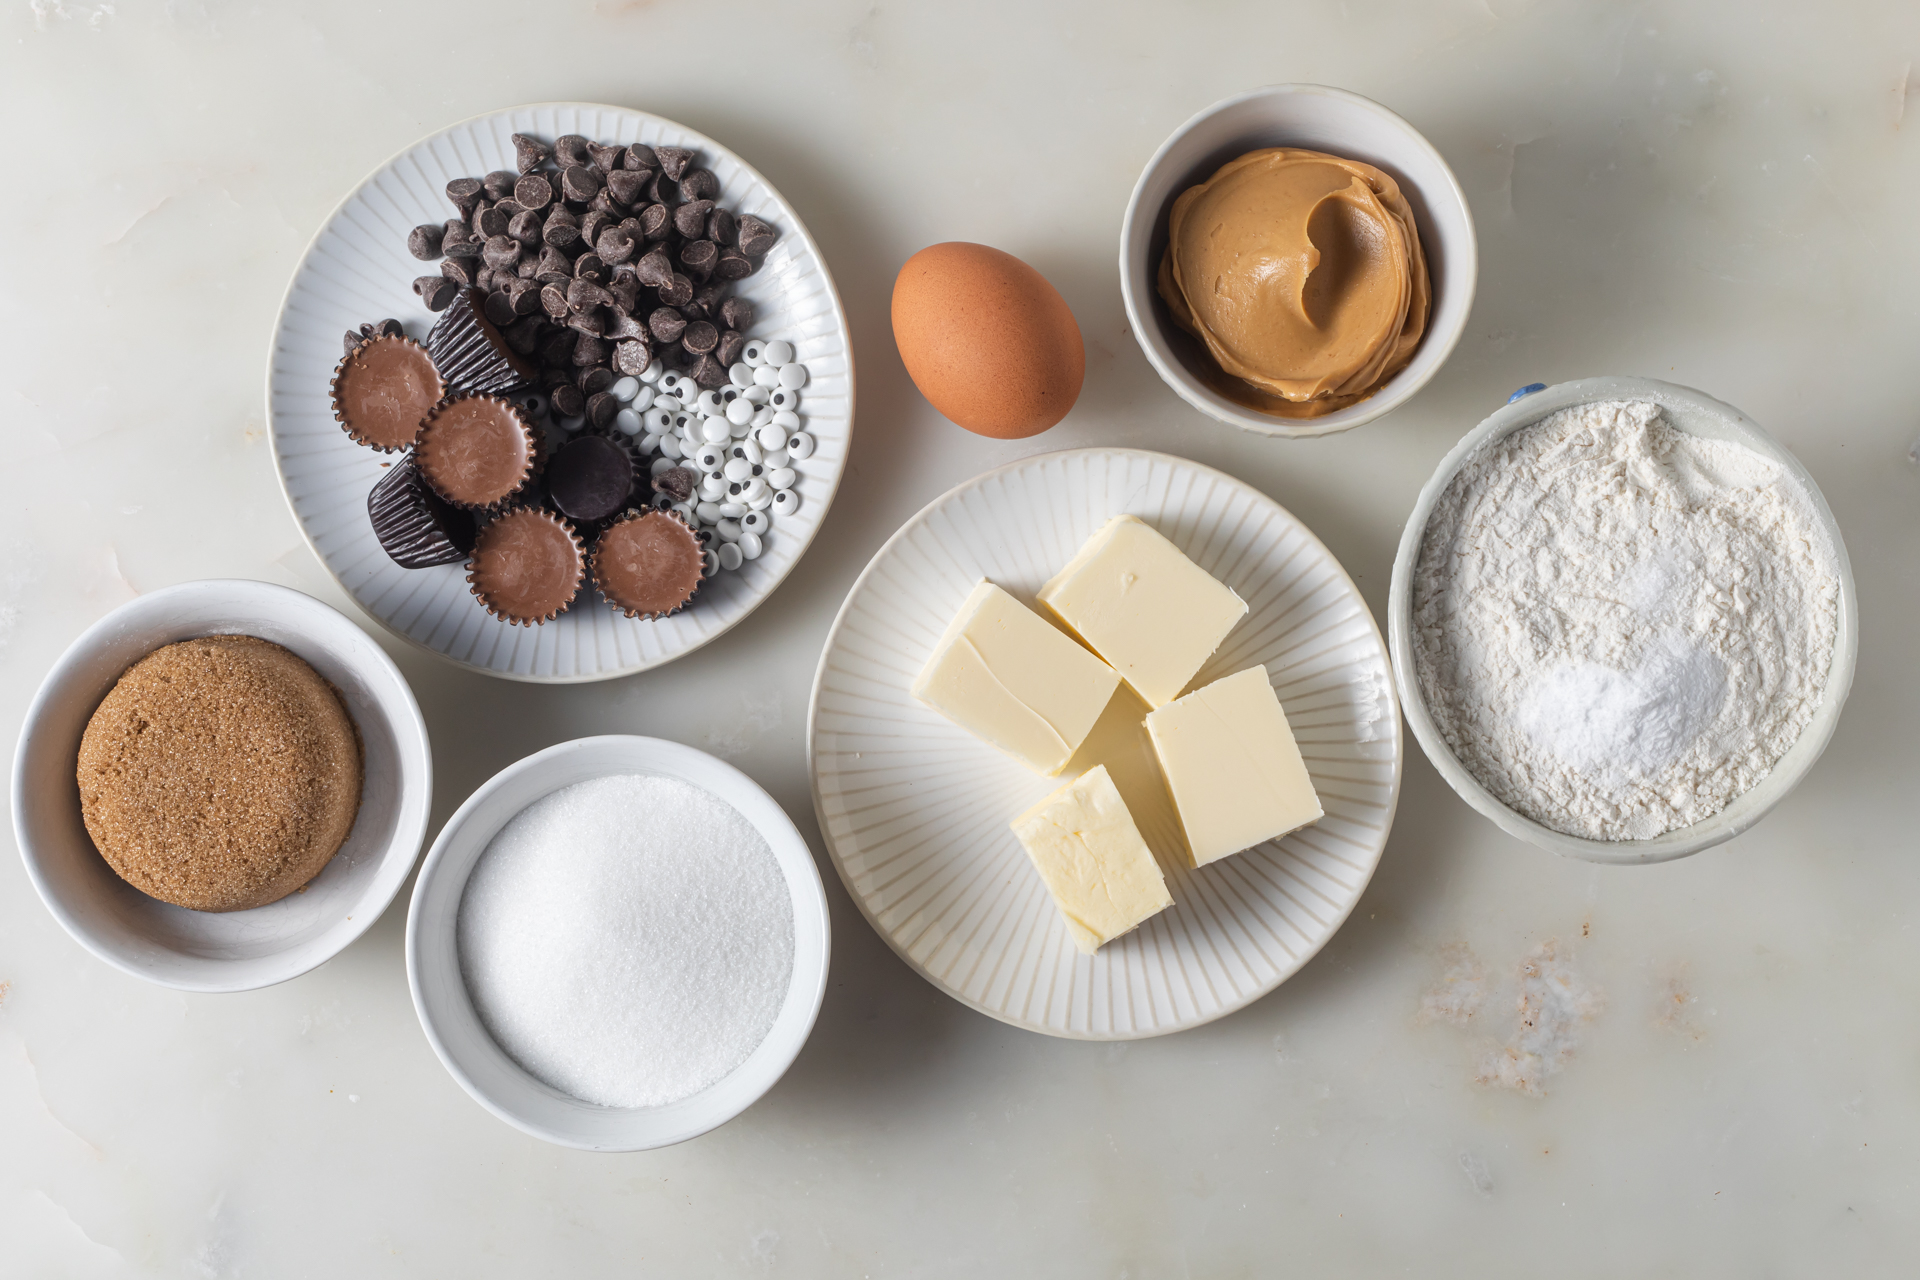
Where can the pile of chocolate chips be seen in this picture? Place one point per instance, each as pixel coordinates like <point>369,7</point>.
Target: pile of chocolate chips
<point>598,259</point>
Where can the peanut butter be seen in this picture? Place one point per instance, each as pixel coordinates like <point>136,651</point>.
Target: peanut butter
<point>1303,275</point>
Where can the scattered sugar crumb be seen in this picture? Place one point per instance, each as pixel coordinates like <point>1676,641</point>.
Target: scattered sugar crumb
<point>1461,990</point>
<point>1674,1008</point>
<point>1552,1007</point>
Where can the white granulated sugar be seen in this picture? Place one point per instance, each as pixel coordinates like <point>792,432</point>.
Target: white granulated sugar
<point>627,940</point>
<point>1620,628</point>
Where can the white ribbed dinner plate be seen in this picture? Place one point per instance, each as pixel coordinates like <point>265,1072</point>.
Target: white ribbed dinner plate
<point>915,810</point>
<point>358,269</point>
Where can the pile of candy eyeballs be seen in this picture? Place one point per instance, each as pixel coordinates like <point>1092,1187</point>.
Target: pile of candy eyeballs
<point>743,440</point>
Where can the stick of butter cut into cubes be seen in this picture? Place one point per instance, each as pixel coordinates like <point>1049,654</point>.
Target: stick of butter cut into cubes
<point>1138,602</point>
<point>1014,680</point>
<point>1232,766</point>
<point>1084,844</point>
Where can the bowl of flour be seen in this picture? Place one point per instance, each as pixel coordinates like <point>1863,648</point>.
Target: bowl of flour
<point>618,943</point>
<point>1622,620</point>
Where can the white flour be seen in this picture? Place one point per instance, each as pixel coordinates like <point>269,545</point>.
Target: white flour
<point>1620,628</point>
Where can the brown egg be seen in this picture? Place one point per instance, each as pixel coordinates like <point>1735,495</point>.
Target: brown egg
<point>987,340</point>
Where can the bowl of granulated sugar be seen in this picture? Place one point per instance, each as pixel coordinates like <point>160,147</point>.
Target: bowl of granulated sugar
<point>618,943</point>
<point>1622,621</point>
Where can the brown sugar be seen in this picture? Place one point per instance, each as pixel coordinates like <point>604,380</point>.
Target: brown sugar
<point>220,774</point>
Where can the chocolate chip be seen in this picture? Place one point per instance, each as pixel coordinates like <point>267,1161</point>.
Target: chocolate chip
<point>691,219</point>
<point>661,190</point>
<point>526,297</point>
<point>700,254</point>
<point>728,350</point>
<point>458,270</point>
<point>601,407</point>
<point>621,324</point>
<point>588,351</point>
<point>522,335</point>
<point>525,227</point>
<point>593,381</point>
<point>501,250</point>
<point>561,228</point>
<point>624,287</point>
<point>570,149</point>
<point>733,265</point>
<point>655,269</point>
<point>465,193</point>
<point>569,401</point>
<point>436,291</point>
<point>606,158</point>
<point>673,160</point>
<point>722,228</point>
<point>456,241</point>
<point>423,242</point>
<point>499,307</point>
<point>587,322</point>
<point>579,183</point>
<point>605,203</point>
<point>511,207</point>
<point>697,184</point>
<point>489,223</point>
<point>700,337</point>
<point>483,280</point>
<point>590,266</point>
<point>628,186</point>
<point>354,339</point>
<point>708,372</point>
<point>693,310</point>
<point>527,268</point>
<point>677,483</point>
<point>633,357</point>
<point>641,156</point>
<point>553,300</point>
<point>585,295</point>
<point>737,313</point>
<point>557,348</point>
<point>529,153</point>
<point>499,184</point>
<point>592,224</point>
<point>554,267</point>
<point>667,324</point>
<point>533,191</point>
<point>656,221</point>
<point>676,292</point>
<point>616,244</point>
<point>756,237</point>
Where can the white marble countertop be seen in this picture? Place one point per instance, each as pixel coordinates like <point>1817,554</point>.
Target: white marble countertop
<point>1720,195</point>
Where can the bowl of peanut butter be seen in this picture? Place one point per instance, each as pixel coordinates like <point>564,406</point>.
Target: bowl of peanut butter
<point>1297,260</point>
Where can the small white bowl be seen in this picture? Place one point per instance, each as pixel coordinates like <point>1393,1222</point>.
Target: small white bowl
<point>233,950</point>
<point>1320,119</point>
<point>446,1011</point>
<point>1695,414</point>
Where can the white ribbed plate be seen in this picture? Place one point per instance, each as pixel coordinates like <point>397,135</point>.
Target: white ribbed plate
<point>915,810</point>
<point>358,269</point>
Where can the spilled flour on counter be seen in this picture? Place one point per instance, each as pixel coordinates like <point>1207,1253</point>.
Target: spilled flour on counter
<point>1552,1008</point>
<point>1620,628</point>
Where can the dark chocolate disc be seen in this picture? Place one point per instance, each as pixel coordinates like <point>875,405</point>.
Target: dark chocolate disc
<point>589,478</point>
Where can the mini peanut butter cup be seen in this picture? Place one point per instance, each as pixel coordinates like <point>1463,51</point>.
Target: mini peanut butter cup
<point>526,567</point>
<point>476,450</point>
<point>472,354</point>
<point>415,525</point>
<point>589,477</point>
<point>383,389</point>
<point>648,564</point>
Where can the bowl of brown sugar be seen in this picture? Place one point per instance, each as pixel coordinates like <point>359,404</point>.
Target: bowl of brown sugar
<point>221,785</point>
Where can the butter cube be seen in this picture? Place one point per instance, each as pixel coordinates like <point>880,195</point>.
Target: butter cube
<point>1013,680</point>
<point>1155,615</point>
<point>1100,872</point>
<point>1232,765</point>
